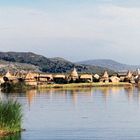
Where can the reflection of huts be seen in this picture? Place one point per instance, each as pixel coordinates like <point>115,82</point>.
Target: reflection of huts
<point>31,79</point>
<point>45,77</point>
<point>73,76</point>
<point>105,77</point>
<point>114,79</point>
<point>86,78</point>
<point>30,96</point>
<point>59,79</point>
<point>21,75</point>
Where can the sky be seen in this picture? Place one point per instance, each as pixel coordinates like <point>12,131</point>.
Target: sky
<point>73,29</point>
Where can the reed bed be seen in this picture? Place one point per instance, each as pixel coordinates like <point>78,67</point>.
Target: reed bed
<point>10,117</point>
<point>84,85</point>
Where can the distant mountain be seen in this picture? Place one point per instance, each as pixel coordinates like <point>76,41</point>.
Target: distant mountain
<point>51,65</point>
<point>58,59</point>
<point>110,64</point>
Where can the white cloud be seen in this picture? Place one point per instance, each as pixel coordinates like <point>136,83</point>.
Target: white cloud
<point>105,26</point>
<point>84,22</point>
<point>21,22</point>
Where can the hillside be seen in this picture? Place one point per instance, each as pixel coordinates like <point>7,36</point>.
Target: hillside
<point>110,64</point>
<point>6,65</point>
<point>51,65</point>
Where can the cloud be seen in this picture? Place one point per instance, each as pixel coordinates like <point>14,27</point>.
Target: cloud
<point>21,22</point>
<point>110,30</point>
<point>99,21</point>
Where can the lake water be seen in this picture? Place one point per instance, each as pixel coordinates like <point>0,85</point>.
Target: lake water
<point>80,114</point>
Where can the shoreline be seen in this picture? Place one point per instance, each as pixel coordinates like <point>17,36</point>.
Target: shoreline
<point>4,133</point>
<point>23,87</point>
<point>84,85</point>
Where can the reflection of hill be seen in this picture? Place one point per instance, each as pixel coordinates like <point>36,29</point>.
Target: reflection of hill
<point>51,65</point>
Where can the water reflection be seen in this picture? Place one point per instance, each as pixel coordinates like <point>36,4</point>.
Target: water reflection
<point>75,94</point>
<point>30,94</point>
<point>133,94</point>
<point>80,113</point>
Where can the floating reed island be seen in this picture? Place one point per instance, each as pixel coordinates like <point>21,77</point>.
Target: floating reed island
<point>84,85</point>
<point>10,117</point>
<point>23,80</point>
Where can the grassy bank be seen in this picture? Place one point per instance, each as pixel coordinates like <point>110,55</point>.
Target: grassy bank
<point>21,87</point>
<point>10,117</point>
<point>82,85</point>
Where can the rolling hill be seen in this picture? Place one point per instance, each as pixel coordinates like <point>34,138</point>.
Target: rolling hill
<point>110,64</point>
<point>14,66</point>
<point>51,65</point>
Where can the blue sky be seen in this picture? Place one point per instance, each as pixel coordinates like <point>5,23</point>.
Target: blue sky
<point>73,29</point>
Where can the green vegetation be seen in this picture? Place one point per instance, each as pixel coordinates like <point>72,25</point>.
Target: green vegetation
<point>10,117</point>
<point>16,136</point>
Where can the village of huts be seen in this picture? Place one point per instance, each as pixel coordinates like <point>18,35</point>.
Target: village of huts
<point>35,79</point>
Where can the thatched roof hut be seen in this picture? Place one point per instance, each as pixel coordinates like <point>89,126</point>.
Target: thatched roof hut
<point>31,78</point>
<point>59,76</point>
<point>129,74</point>
<point>10,76</point>
<point>122,74</point>
<point>96,76</point>
<point>45,77</point>
<point>138,71</point>
<point>31,75</point>
<point>20,74</point>
<point>114,79</point>
<point>105,77</point>
<point>1,80</point>
<point>129,77</point>
<point>86,77</point>
<point>59,79</point>
<point>73,75</point>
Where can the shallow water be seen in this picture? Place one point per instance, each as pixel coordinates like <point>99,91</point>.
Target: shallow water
<point>80,114</point>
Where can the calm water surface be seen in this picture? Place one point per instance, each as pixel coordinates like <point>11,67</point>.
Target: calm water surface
<point>80,114</point>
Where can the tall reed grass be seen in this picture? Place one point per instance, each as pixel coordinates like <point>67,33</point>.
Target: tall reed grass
<point>16,136</point>
<point>10,116</point>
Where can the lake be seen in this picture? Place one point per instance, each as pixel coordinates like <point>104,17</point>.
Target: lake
<point>80,114</point>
